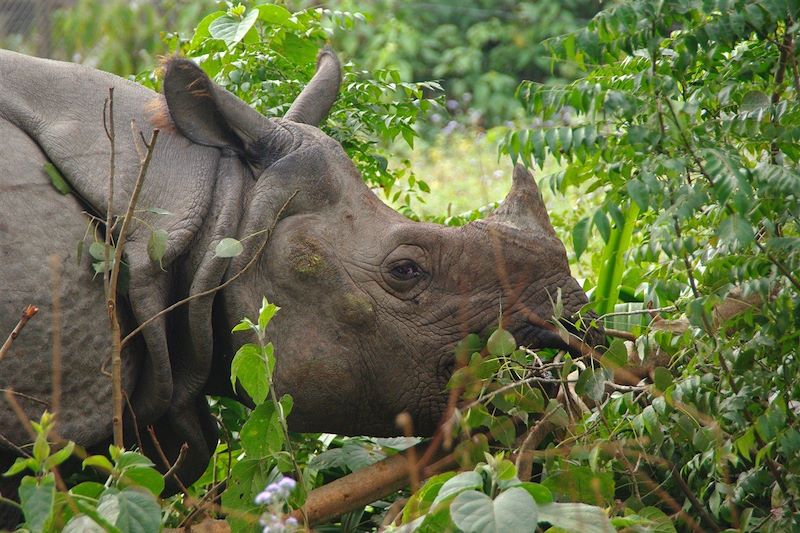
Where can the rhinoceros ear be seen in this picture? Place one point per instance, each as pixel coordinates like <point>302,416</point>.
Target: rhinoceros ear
<point>523,207</point>
<point>208,114</point>
<point>316,100</point>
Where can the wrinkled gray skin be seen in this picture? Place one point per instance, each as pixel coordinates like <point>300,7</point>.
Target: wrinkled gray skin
<point>371,303</point>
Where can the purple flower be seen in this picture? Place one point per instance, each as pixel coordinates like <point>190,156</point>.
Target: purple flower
<point>451,105</point>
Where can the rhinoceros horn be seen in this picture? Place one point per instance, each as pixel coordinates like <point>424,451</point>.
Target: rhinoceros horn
<point>523,207</point>
<point>317,98</point>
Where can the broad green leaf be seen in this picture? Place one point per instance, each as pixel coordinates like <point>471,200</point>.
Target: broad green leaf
<point>420,502</point>
<point>514,510</point>
<point>576,517</point>
<point>99,461</point>
<point>147,478</point>
<point>37,498</point>
<point>202,32</point>
<point>139,512</point>
<point>248,477</point>
<point>129,459</point>
<point>459,483</point>
<point>540,493</point>
<point>736,231</point>
<point>501,343</point>
<point>232,29</point>
<point>275,14</point>
<point>249,367</point>
<point>57,179</point>
<point>157,245</point>
<point>262,434</point>
<point>662,378</point>
<point>228,247</point>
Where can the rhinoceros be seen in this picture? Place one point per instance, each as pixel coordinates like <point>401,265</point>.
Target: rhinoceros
<point>371,303</point>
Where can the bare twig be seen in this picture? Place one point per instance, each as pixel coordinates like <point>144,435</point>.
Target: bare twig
<point>27,314</point>
<point>55,287</point>
<point>532,439</point>
<point>170,468</point>
<point>233,278</point>
<point>178,462</point>
<point>19,412</point>
<point>111,296</point>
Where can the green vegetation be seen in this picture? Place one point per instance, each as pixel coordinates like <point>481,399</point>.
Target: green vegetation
<point>670,165</point>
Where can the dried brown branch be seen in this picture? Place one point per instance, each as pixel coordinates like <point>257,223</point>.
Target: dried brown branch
<point>27,314</point>
<point>111,296</point>
<point>170,469</point>
<point>178,462</point>
<point>363,487</point>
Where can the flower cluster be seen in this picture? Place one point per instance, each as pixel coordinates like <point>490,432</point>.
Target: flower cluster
<point>276,492</point>
<point>275,495</point>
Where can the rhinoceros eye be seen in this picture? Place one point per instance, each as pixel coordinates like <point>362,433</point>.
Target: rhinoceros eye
<point>406,271</point>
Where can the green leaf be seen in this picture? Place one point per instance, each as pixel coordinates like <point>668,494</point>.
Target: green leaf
<point>99,461</point>
<point>202,33</point>
<point>501,343</point>
<point>266,313</point>
<point>514,510</point>
<point>248,477</point>
<point>736,231</point>
<point>262,434</point>
<point>232,29</point>
<point>60,456</point>
<point>147,478</point>
<point>250,368</point>
<point>461,482</point>
<point>592,383</point>
<point>57,179</point>
<point>37,498</point>
<point>580,236</point>
<point>608,283</point>
<point>228,247</point>
<point>20,464</point>
<point>274,14</point>
<point>139,512</point>
<point>540,493</point>
<point>662,378</point>
<point>157,245</point>
<point>754,101</point>
<point>576,517</point>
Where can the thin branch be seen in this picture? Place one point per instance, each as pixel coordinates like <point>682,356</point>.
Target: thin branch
<point>170,468</point>
<point>27,314</point>
<point>699,507</point>
<point>233,278</point>
<point>178,462</point>
<point>55,288</point>
<point>111,296</point>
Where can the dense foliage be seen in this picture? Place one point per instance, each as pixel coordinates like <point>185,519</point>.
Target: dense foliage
<point>479,49</point>
<point>687,118</point>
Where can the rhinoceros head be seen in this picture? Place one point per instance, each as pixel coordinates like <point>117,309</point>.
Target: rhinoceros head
<point>372,304</point>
